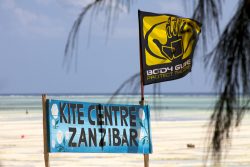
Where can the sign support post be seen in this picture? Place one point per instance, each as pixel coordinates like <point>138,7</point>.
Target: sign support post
<point>45,140</point>
<point>146,156</point>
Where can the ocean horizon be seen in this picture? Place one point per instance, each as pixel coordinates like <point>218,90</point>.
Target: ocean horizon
<point>176,120</point>
<point>171,107</point>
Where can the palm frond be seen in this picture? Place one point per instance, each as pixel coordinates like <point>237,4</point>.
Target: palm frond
<point>128,87</point>
<point>131,86</point>
<point>208,12</point>
<point>230,60</point>
<point>111,10</point>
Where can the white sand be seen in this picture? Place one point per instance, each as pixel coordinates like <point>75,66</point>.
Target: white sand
<point>170,139</point>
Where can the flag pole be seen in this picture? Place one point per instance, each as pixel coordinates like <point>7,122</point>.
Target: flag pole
<point>141,65</point>
<point>146,156</point>
<point>45,140</point>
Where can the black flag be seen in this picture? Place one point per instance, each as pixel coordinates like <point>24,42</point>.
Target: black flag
<point>167,44</point>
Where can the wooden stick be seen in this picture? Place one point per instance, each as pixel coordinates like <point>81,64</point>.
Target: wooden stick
<point>146,156</point>
<point>45,140</point>
<point>141,63</point>
<point>146,160</point>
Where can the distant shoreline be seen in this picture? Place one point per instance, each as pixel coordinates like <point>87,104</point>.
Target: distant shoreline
<point>107,94</point>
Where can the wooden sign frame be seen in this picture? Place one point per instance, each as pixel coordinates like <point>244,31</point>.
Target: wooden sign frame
<point>49,130</point>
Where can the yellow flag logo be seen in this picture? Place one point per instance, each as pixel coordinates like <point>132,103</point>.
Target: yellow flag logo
<point>168,38</point>
<point>167,44</point>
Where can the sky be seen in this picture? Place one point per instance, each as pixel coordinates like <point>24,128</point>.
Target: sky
<point>33,35</point>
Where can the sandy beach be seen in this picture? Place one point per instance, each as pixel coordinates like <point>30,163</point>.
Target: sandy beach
<point>21,145</point>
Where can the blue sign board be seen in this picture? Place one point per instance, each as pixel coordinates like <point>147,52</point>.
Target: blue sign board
<point>98,128</point>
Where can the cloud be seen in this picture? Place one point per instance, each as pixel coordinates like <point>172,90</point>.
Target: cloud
<point>77,3</point>
<point>43,2</point>
<point>30,22</point>
<point>172,7</point>
<point>72,5</point>
<point>125,33</point>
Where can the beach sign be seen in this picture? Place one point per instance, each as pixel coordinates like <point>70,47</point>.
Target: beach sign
<point>167,44</point>
<point>97,128</point>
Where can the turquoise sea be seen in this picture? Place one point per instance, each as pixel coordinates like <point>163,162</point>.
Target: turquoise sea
<point>176,120</point>
<point>172,107</point>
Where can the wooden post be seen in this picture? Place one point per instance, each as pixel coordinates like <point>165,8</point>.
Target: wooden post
<point>146,160</point>
<point>146,156</point>
<point>141,65</point>
<point>45,140</point>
